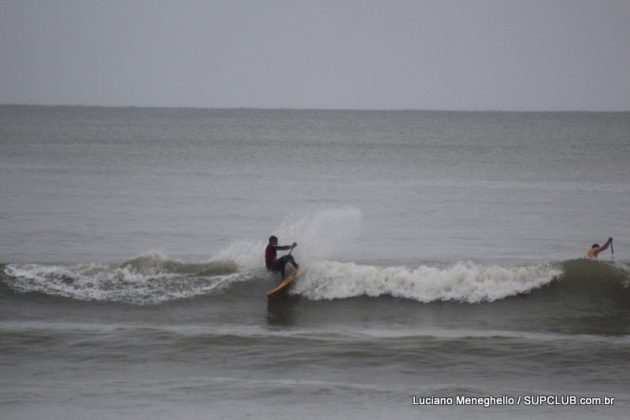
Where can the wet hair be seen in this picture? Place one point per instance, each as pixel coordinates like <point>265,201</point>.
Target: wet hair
<point>595,246</point>
<point>273,238</point>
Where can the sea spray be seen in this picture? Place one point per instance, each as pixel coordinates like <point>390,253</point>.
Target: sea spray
<point>320,235</point>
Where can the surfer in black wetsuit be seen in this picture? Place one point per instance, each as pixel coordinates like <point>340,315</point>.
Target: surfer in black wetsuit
<point>277,264</point>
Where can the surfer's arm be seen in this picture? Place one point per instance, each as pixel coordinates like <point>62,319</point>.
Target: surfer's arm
<point>283,247</point>
<point>605,246</point>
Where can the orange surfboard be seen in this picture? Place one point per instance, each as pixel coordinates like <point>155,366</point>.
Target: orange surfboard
<point>286,282</point>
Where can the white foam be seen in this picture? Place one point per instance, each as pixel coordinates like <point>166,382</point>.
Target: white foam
<point>111,283</point>
<point>464,281</point>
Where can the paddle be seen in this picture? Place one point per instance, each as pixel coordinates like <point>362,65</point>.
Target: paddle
<point>612,249</point>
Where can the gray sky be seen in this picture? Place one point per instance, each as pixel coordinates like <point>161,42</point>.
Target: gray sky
<point>387,54</point>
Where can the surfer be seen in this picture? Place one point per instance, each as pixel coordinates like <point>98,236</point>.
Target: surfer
<point>592,253</point>
<point>277,264</point>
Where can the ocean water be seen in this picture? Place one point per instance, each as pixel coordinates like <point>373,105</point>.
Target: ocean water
<point>441,254</point>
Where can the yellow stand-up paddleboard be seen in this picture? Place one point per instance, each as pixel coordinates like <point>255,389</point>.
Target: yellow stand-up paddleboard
<point>284,284</point>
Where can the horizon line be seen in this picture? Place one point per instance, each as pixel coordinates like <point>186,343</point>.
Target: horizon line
<point>254,108</point>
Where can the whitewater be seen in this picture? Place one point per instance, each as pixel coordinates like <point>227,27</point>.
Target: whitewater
<point>154,278</point>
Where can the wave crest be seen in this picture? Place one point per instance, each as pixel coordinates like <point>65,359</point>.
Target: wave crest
<point>153,279</point>
<point>148,279</point>
<point>464,281</point>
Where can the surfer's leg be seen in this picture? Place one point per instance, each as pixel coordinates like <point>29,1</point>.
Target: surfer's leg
<point>278,265</point>
<point>288,259</point>
<point>281,263</point>
<point>292,261</point>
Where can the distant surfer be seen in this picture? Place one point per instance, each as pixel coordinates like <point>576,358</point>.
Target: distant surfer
<point>278,264</point>
<point>592,253</point>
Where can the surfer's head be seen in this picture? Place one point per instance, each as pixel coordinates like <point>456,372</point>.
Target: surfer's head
<point>273,240</point>
<point>595,246</point>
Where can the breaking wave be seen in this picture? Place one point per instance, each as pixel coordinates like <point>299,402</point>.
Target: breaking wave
<point>463,282</point>
<point>238,272</point>
<point>148,279</point>
<point>153,279</point>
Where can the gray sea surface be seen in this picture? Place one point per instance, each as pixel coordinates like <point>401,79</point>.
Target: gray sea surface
<point>441,256</point>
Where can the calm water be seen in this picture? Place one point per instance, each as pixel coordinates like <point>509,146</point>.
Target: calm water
<point>441,253</point>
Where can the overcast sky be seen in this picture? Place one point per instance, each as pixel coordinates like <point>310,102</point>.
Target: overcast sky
<point>362,54</point>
